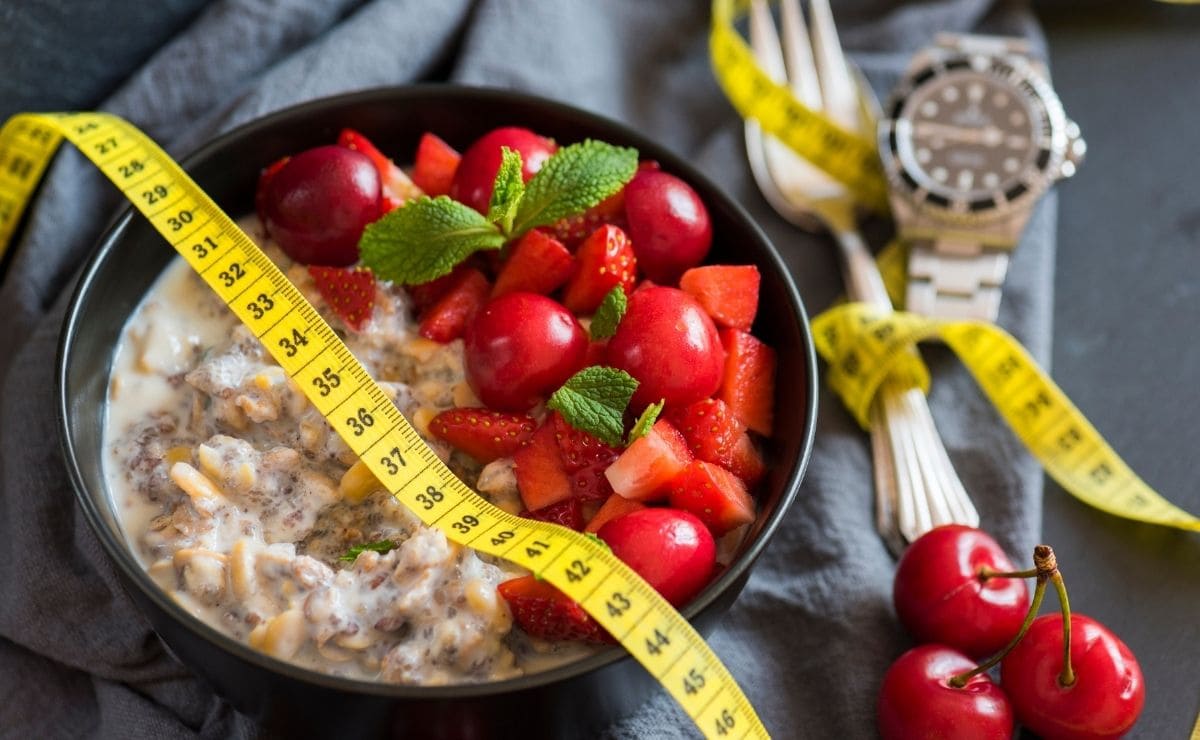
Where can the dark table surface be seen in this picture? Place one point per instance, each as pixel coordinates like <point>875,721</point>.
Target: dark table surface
<point>1127,294</point>
<point>1127,299</point>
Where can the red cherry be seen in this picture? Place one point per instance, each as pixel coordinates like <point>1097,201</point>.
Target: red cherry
<point>317,204</point>
<point>671,549</point>
<point>670,345</point>
<point>668,224</point>
<point>476,172</point>
<point>1106,697</point>
<point>917,701</point>
<point>520,348</point>
<point>940,596</point>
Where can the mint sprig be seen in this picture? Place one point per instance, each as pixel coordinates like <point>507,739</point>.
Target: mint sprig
<point>507,190</point>
<point>594,400</point>
<point>646,420</point>
<point>379,546</point>
<point>425,239</point>
<point>609,313</point>
<point>428,237</point>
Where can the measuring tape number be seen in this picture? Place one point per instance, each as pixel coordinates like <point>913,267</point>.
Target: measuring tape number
<point>308,349</point>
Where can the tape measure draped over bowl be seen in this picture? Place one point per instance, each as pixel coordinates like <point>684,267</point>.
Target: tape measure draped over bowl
<point>312,354</point>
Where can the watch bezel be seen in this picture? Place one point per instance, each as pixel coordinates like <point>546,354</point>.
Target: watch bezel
<point>1033,180</point>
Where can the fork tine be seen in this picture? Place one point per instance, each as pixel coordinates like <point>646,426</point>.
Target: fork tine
<point>798,52</point>
<point>838,88</point>
<point>765,41</point>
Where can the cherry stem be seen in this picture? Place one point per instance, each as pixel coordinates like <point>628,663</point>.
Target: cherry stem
<point>1067,677</point>
<point>985,572</point>
<point>1045,569</point>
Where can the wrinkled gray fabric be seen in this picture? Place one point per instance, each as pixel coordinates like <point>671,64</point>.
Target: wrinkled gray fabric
<point>812,634</point>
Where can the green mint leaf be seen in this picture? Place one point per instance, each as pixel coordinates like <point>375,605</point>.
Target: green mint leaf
<point>646,420</point>
<point>507,190</point>
<point>425,239</point>
<point>576,178</point>
<point>594,399</point>
<point>609,313</point>
<point>379,546</point>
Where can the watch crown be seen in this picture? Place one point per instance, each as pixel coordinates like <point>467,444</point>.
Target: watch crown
<point>1076,149</point>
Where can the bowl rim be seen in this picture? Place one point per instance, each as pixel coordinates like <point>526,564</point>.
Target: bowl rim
<point>114,542</point>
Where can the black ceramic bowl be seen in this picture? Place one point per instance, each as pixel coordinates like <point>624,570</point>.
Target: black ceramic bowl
<point>297,701</point>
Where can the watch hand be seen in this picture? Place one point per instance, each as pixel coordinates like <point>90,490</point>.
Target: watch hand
<point>986,135</point>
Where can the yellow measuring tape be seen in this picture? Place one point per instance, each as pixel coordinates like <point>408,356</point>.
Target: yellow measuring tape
<point>338,385</point>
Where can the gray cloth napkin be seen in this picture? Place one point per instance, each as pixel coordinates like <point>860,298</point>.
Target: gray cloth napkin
<point>812,634</point>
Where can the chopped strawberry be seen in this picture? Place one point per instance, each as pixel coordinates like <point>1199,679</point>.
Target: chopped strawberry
<point>595,352</point>
<point>728,293</point>
<point>541,478</point>
<point>589,484</point>
<point>447,319</point>
<point>264,179</point>
<point>350,292</point>
<point>746,462</point>
<point>482,433</point>
<point>715,495</point>
<point>614,506</point>
<point>574,229</point>
<point>646,466</point>
<point>749,382</point>
<point>539,263</point>
<point>605,260</point>
<point>396,186</point>
<point>425,295</point>
<point>568,513</point>
<point>710,428</point>
<point>435,164</point>
<point>579,449</point>
<point>544,611</point>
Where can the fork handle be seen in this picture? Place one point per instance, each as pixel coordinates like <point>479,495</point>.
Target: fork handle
<point>863,281</point>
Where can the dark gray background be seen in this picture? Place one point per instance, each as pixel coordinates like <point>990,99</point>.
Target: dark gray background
<point>1127,284</point>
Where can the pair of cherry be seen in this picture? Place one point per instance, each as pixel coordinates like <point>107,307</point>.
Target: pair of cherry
<point>1062,675</point>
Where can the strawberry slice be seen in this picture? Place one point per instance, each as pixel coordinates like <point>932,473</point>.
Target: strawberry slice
<point>747,462</point>
<point>349,291</point>
<point>568,513</point>
<point>589,484</point>
<point>646,466</point>
<point>435,165</point>
<point>447,319</point>
<point>614,506</point>
<point>716,496</point>
<point>541,478</point>
<point>482,433</point>
<point>425,295</point>
<point>606,260</point>
<point>579,449</point>
<point>728,293</point>
<point>539,263</point>
<point>710,428</point>
<point>574,229</point>
<point>749,382</point>
<point>544,611</point>
<point>397,187</point>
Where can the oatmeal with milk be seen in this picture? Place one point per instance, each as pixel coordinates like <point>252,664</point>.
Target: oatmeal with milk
<point>249,510</point>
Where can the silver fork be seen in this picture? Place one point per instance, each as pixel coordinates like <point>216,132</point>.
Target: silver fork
<point>916,487</point>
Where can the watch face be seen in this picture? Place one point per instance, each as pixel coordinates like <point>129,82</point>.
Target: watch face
<point>971,137</point>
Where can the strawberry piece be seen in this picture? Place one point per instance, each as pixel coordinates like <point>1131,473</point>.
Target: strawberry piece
<point>544,611</point>
<point>746,461</point>
<point>435,165</point>
<point>568,513</point>
<point>541,478</point>
<point>350,292</point>
<point>264,179</point>
<point>447,319</point>
<point>425,295</point>
<point>396,185</point>
<point>482,433</point>
<point>749,383</point>
<point>539,263</point>
<point>572,230</point>
<point>715,495</point>
<point>646,466</point>
<point>589,484</point>
<point>579,449</point>
<point>614,506</point>
<point>710,428</point>
<point>605,260</point>
<point>728,293</point>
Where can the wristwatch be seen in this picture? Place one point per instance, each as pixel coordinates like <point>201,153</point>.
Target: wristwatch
<point>975,134</point>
